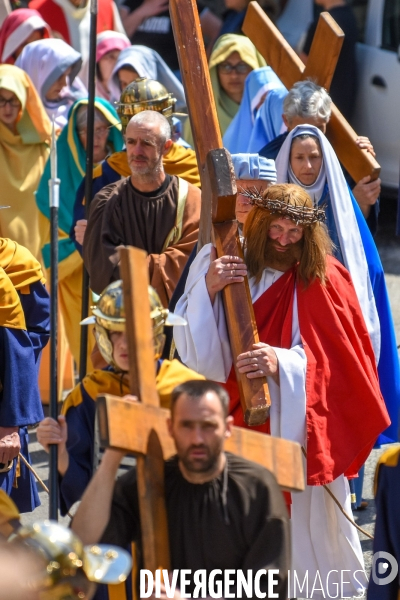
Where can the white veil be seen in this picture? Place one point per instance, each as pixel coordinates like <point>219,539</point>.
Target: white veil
<point>351,244</point>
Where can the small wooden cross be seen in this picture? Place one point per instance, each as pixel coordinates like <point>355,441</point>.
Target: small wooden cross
<point>218,197</point>
<point>320,68</point>
<point>140,428</point>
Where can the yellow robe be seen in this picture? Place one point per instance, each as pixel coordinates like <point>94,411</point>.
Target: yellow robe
<point>8,512</point>
<point>99,382</point>
<point>20,265</point>
<point>178,161</point>
<point>11,311</point>
<point>23,155</point>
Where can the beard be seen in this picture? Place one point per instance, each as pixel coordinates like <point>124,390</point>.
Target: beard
<point>282,261</point>
<point>200,465</point>
<point>148,169</point>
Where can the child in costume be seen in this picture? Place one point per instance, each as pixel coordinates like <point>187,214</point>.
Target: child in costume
<point>74,431</point>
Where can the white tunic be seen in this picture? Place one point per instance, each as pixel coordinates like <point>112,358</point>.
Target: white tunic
<point>323,540</point>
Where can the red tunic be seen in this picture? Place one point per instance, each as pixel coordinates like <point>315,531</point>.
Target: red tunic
<point>53,14</point>
<point>345,410</point>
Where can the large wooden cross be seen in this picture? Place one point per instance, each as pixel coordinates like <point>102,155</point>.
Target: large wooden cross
<point>320,68</point>
<point>140,428</point>
<point>218,221</point>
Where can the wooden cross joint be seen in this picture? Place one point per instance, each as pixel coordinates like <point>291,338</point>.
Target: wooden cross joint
<point>142,383</point>
<point>129,426</point>
<point>242,328</point>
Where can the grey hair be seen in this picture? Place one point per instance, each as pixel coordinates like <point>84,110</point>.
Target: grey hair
<point>81,117</point>
<point>307,99</point>
<point>153,117</point>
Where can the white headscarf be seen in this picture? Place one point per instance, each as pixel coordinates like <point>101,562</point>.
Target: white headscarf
<point>351,245</point>
<point>45,61</point>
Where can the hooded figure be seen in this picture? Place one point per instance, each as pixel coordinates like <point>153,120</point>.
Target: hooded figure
<point>71,170</point>
<point>53,67</point>
<point>23,153</point>
<point>226,105</point>
<point>24,332</point>
<point>257,120</point>
<point>72,23</point>
<point>108,46</point>
<point>21,27</point>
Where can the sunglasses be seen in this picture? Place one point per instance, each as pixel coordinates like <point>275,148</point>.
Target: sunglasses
<point>14,102</point>
<point>99,132</point>
<point>240,68</point>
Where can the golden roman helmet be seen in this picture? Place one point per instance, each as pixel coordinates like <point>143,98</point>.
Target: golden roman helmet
<point>109,315</point>
<point>144,94</point>
<point>69,568</point>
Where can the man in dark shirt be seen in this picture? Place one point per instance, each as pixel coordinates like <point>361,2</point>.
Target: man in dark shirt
<point>223,511</point>
<point>344,82</point>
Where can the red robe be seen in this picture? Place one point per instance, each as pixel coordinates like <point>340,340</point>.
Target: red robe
<point>345,410</point>
<point>53,14</point>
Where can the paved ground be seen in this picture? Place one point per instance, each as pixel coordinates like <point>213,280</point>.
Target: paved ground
<point>389,248</point>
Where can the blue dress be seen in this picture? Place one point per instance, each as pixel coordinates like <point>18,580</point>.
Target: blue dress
<point>20,403</point>
<point>388,365</point>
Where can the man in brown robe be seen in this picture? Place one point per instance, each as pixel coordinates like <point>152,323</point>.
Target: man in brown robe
<point>224,512</point>
<point>150,210</point>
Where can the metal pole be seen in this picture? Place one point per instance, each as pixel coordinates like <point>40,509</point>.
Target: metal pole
<point>89,178</point>
<point>54,185</point>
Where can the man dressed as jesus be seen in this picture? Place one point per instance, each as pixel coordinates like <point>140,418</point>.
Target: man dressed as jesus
<point>317,356</point>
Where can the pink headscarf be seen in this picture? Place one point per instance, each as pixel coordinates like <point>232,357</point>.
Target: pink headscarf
<point>110,40</point>
<point>16,28</point>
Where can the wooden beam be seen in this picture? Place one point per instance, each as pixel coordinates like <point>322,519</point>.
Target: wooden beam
<point>199,95</point>
<point>241,322</point>
<point>290,69</point>
<point>135,276</point>
<point>195,77</point>
<point>271,44</point>
<point>320,64</point>
<point>142,383</point>
<point>127,425</point>
<point>153,515</point>
<point>218,196</point>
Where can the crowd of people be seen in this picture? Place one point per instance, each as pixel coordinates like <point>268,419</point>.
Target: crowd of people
<point>327,343</point>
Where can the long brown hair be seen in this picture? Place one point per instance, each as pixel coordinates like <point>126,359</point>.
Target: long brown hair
<point>316,243</point>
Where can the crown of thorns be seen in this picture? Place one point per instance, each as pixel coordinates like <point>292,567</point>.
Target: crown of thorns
<point>299,214</point>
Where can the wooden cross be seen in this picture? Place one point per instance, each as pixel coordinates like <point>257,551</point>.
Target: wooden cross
<point>140,428</point>
<point>320,68</point>
<point>218,197</point>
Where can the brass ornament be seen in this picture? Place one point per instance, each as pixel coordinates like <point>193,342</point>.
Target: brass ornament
<point>109,315</point>
<point>144,94</point>
<point>69,569</point>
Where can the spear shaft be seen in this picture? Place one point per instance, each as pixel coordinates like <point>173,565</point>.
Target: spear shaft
<point>54,189</point>
<point>88,178</point>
